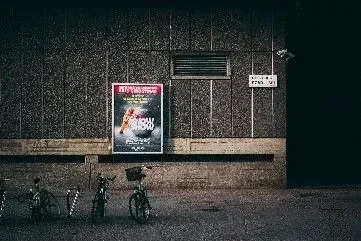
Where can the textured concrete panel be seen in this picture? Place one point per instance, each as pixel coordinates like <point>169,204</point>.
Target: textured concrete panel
<point>117,73</point>
<point>279,98</point>
<point>31,95</point>
<point>262,16</point>
<point>263,120</point>
<point>221,108</point>
<point>279,35</point>
<point>53,94</point>
<point>159,29</point>
<point>180,108</point>
<point>54,28</point>
<point>85,28</point>
<point>262,30</point>
<point>75,95</point>
<point>117,22</point>
<point>241,94</point>
<point>180,29</point>
<point>138,66</point>
<point>200,29</point>
<point>262,37</point>
<point>166,111</point>
<point>11,65</point>
<point>96,95</point>
<point>138,29</point>
<point>75,30</point>
<point>221,29</point>
<point>159,67</point>
<point>10,32</point>
<point>201,108</point>
<point>231,30</point>
<point>241,25</point>
<point>32,27</point>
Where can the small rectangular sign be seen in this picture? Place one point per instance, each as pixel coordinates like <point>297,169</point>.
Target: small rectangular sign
<point>137,118</point>
<point>262,80</point>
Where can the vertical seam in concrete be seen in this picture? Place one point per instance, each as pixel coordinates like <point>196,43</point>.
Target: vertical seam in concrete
<point>190,30</point>
<point>149,48</point>
<point>21,94</point>
<point>170,80</point>
<point>252,74</point>
<point>231,83</point>
<point>211,30</point>
<point>86,105</point>
<point>273,119</point>
<point>252,113</point>
<point>127,57</point>
<point>107,91</point>
<point>128,44</point>
<point>211,108</point>
<point>169,109</point>
<point>64,68</point>
<point>190,98</point>
<point>42,79</point>
<point>90,176</point>
<point>170,30</point>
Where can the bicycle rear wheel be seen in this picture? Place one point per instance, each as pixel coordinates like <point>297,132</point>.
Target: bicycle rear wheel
<point>98,208</point>
<point>49,206</point>
<point>139,207</point>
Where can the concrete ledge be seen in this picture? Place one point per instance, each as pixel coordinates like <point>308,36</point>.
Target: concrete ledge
<point>96,146</point>
<point>99,146</point>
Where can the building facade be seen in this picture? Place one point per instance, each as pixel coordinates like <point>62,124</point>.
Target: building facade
<point>57,69</point>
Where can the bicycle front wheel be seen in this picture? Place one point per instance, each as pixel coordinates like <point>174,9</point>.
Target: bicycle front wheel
<point>49,206</point>
<point>139,207</point>
<point>98,208</point>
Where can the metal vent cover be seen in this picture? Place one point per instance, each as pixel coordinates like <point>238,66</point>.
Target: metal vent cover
<point>200,65</point>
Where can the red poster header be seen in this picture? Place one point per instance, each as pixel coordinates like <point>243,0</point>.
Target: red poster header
<point>138,89</point>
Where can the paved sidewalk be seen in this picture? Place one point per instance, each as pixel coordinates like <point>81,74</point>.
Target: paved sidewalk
<point>290,214</point>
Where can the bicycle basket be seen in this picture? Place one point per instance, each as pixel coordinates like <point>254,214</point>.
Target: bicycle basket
<point>134,173</point>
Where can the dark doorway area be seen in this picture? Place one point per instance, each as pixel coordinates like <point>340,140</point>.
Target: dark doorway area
<point>323,95</point>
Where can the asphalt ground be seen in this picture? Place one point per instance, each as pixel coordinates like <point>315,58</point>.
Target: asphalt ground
<point>266,214</point>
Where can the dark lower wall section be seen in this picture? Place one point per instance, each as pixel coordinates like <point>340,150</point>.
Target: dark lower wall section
<point>186,163</point>
<point>165,175</point>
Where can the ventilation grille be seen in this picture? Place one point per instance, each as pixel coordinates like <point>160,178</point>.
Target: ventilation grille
<point>199,65</point>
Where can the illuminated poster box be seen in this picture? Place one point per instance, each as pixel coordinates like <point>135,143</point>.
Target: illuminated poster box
<point>137,118</point>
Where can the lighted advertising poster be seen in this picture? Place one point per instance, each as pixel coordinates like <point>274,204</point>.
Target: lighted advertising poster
<point>137,118</point>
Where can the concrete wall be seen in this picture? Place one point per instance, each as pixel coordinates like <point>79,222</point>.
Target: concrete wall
<point>243,163</point>
<point>57,67</point>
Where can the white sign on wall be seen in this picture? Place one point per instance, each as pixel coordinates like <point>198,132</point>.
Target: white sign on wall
<point>262,80</point>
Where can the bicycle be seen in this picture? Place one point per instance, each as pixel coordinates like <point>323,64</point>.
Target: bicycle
<point>139,206</point>
<point>42,203</point>
<point>2,194</point>
<point>101,198</point>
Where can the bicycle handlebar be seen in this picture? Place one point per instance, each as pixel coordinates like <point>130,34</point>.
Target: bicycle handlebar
<point>99,176</point>
<point>149,167</point>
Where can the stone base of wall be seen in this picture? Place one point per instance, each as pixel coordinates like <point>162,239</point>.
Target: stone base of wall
<point>169,174</point>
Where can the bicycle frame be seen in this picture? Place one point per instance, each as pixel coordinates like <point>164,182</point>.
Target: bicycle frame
<point>139,206</point>
<point>42,203</point>
<point>100,199</point>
